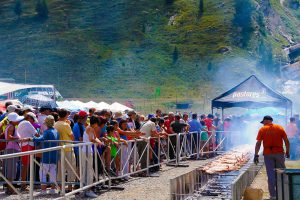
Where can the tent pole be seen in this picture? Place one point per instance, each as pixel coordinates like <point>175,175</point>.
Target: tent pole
<point>286,116</point>
<point>212,110</point>
<point>222,114</point>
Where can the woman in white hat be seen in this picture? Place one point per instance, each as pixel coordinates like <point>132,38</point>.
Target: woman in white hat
<point>12,147</point>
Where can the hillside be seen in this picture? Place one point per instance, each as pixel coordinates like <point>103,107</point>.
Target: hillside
<point>127,48</point>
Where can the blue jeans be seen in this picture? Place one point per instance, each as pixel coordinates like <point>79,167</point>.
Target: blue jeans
<point>272,162</point>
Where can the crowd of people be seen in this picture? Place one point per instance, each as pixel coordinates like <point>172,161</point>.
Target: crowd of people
<point>25,129</point>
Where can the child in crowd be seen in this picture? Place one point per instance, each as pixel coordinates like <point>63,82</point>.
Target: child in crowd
<point>204,138</point>
<point>115,141</point>
<point>49,159</point>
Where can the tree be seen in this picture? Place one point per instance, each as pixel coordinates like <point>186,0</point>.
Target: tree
<point>266,57</point>
<point>201,8</point>
<point>243,21</point>
<point>175,55</point>
<point>169,2</point>
<point>42,9</point>
<point>18,8</point>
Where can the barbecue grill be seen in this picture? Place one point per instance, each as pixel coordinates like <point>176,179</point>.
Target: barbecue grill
<point>203,184</point>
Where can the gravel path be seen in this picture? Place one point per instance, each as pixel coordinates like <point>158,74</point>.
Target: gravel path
<point>157,188</point>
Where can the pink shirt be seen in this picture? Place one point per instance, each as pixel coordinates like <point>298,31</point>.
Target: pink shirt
<point>291,130</point>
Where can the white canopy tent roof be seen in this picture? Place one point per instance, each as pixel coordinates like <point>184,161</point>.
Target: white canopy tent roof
<point>12,87</point>
<point>117,107</point>
<point>102,105</point>
<point>78,105</point>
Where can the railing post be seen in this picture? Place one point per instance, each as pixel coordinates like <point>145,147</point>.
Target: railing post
<point>177,148</point>
<point>198,145</point>
<point>134,155</point>
<point>148,155</point>
<point>80,167</point>
<point>158,153</point>
<point>168,142</point>
<point>96,162</point>
<point>31,176</point>
<point>63,176</point>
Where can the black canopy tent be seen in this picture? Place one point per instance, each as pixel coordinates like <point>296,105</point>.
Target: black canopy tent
<point>251,93</point>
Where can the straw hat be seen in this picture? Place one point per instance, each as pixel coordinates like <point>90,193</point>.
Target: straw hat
<point>49,121</point>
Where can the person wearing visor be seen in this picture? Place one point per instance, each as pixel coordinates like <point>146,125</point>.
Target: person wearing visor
<point>12,146</point>
<point>272,136</point>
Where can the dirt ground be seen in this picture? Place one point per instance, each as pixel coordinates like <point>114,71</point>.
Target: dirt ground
<point>261,182</point>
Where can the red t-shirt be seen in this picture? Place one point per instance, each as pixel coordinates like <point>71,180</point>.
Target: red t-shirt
<point>208,123</point>
<point>168,126</point>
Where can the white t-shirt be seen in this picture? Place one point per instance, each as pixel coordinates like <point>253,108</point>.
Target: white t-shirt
<point>86,138</point>
<point>26,130</point>
<point>147,128</point>
<point>41,120</point>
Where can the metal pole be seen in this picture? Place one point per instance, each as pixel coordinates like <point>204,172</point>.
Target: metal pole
<point>96,162</point>
<point>177,148</point>
<point>80,167</point>
<point>198,144</point>
<point>31,176</point>
<point>148,155</point>
<point>134,155</point>
<point>222,114</point>
<point>158,153</point>
<point>62,163</point>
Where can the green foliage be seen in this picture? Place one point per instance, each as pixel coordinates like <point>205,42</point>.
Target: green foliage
<point>18,8</point>
<point>175,55</point>
<point>42,9</point>
<point>201,8</point>
<point>242,20</point>
<point>169,2</point>
<point>266,57</point>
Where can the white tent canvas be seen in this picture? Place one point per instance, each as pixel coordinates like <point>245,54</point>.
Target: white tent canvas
<point>117,107</point>
<point>102,105</point>
<point>91,104</point>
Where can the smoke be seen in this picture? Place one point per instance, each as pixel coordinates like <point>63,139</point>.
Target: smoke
<point>246,121</point>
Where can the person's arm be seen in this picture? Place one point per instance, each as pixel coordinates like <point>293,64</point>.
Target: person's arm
<point>70,133</point>
<point>91,132</point>
<point>10,133</point>
<point>129,133</point>
<point>257,147</point>
<point>286,142</point>
<point>39,138</point>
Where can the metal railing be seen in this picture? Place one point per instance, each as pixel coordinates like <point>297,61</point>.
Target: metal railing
<point>245,179</point>
<point>173,149</point>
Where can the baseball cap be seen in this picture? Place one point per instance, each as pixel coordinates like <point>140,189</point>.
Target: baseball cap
<point>11,108</point>
<point>150,116</point>
<point>31,114</point>
<point>49,121</point>
<point>82,113</point>
<point>14,117</point>
<point>267,117</point>
<point>27,107</point>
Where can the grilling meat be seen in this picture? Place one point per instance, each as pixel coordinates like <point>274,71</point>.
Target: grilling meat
<point>231,161</point>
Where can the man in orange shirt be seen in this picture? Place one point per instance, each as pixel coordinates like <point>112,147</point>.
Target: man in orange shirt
<point>272,136</point>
